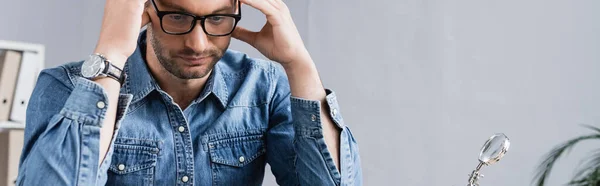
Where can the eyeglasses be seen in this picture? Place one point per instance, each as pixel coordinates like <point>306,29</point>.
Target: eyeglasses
<point>179,23</point>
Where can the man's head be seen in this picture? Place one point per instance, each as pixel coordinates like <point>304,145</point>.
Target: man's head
<point>186,50</point>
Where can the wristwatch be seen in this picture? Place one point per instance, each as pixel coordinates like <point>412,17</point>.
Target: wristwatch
<point>97,66</point>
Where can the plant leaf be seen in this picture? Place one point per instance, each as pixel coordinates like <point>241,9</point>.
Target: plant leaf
<point>592,178</point>
<point>592,128</point>
<point>591,164</point>
<point>545,167</point>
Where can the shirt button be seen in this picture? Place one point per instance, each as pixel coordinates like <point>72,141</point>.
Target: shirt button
<point>184,179</point>
<point>242,159</point>
<point>313,118</point>
<point>100,104</point>
<point>334,112</point>
<point>121,167</point>
<point>181,129</point>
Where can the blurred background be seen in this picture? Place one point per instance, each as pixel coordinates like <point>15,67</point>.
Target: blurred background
<point>421,83</point>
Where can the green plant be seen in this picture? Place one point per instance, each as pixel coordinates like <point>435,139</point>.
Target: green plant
<point>586,175</point>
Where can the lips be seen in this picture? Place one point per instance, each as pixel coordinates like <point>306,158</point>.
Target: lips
<point>195,61</point>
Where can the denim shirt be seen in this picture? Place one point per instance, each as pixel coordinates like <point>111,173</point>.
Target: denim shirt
<point>244,118</point>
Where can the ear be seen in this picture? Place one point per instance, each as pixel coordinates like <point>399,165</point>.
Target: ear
<point>145,16</point>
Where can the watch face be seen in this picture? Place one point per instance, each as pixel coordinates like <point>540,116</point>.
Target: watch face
<point>92,67</point>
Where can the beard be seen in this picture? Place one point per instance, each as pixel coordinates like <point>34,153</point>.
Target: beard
<point>166,59</point>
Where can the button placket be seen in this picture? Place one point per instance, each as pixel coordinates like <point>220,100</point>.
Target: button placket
<point>183,144</point>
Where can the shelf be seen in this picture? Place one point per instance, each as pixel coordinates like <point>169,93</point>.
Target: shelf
<point>22,46</point>
<point>11,125</point>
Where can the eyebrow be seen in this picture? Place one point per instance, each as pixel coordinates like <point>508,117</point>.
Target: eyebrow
<point>223,9</point>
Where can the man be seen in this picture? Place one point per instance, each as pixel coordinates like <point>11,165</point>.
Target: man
<point>174,106</point>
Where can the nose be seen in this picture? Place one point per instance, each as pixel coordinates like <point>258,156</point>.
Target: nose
<point>197,39</point>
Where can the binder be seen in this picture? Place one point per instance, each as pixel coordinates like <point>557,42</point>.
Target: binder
<point>9,69</point>
<point>11,143</point>
<point>25,85</point>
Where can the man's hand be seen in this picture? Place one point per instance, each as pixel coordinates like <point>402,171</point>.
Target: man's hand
<point>279,39</point>
<point>120,29</point>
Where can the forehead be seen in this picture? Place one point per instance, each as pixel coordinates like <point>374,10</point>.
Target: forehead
<point>200,7</point>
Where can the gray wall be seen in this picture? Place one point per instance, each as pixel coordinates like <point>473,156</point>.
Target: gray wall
<point>422,84</point>
<point>56,24</point>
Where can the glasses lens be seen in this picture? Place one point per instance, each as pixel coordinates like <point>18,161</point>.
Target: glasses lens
<point>219,25</point>
<point>177,23</point>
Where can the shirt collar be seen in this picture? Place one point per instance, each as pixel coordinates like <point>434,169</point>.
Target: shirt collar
<point>140,82</point>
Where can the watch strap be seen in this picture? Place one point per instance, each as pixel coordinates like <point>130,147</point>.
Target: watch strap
<point>114,72</point>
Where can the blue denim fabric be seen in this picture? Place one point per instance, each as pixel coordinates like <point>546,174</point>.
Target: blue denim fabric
<point>244,118</point>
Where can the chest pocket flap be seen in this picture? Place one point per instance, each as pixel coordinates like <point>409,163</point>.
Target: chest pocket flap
<point>238,151</point>
<point>133,156</point>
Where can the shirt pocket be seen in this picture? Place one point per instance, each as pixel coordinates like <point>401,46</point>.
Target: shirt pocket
<point>237,160</point>
<point>133,162</point>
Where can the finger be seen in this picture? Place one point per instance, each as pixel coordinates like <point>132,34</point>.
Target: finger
<point>262,5</point>
<point>244,35</point>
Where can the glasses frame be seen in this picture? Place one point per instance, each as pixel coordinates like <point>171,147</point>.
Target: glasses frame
<point>202,19</point>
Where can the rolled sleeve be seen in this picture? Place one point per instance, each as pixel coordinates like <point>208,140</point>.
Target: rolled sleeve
<point>308,112</point>
<point>62,137</point>
<point>86,104</point>
<point>310,143</point>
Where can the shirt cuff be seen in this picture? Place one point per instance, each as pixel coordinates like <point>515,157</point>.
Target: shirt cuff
<point>307,112</point>
<point>88,103</point>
